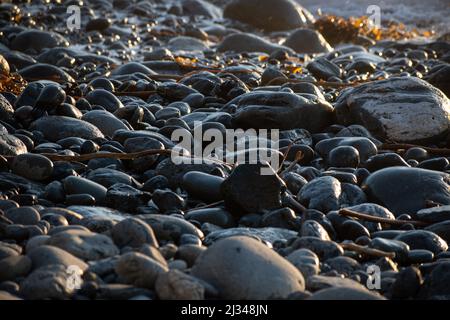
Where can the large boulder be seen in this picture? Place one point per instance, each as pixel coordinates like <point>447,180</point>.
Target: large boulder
<point>405,109</point>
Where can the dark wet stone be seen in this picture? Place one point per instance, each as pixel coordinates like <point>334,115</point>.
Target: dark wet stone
<point>384,160</point>
<point>416,153</point>
<point>105,121</point>
<point>422,239</point>
<point>174,172</point>
<point>399,247</point>
<point>247,42</point>
<point>174,91</point>
<point>280,110</point>
<point>47,282</point>
<point>105,99</point>
<point>202,186</point>
<point>396,116</point>
<point>352,230</point>
<point>324,69</point>
<point>44,71</point>
<point>238,190</point>
<point>45,255</point>
<point>439,77</point>
<point>325,249</point>
<point>56,128</point>
<point>344,265</point>
<point>125,198</point>
<point>442,229</point>
<point>320,282</point>
<point>85,245</point>
<point>269,15</point>
<point>327,193</point>
<point>311,228</point>
<point>133,233</point>
<point>307,41</point>
<point>245,263</point>
<point>414,186</point>
<point>6,110</point>
<point>37,40</point>
<point>107,177</point>
<point>365,146</point>
<point>14,267</point>
<point>130,68</point>
<point>437,164</point>
<point>200,8</point>
<point>434,214</point>
<point>78,185</point>
<point>10,145</point>
<point>138,144</point>
<point>436,283</point>
<point>217,216</point>
<point>167,200</point>
<point>280,218</point>
<point>32,166</point>
<point>122,135</point>
<point>419,256</point>
<point>51,96</point>
<point>98,24</point>
<point>139,270</point>
<point>185,43</point>
<point>344,156</point>
<point>23,215</point>
<point>170,227</point>
<point>407,283</point>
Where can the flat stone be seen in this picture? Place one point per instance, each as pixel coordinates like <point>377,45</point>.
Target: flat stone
<point>247,42</point>
<point>105,121</point>
<point>45,255</point>
<point>56,128</point>
<point>32,166</point>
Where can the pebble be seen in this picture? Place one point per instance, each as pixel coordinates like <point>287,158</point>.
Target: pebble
<point>237,190</point>
<point>268,234</point>
<point>133,233</point>
<point>32,166</point>
<point>423,239</point>
<point>11,145</point>
<point>23,215</point>
<point>79,185</point>
<point>14,267</point>
<point>176,285</point>
<point>245,263</point>
<point>139,270</point>
<point>307,41</point>
<point>202,186</point>
<point>56,128</point>
<point>47,282</point>
<point>105,121</point>
<point>435,285</point>
<point>386,186</point>
<point>45,255</point>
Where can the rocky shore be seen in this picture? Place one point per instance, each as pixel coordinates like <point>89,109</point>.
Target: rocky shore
<point>94,205</point>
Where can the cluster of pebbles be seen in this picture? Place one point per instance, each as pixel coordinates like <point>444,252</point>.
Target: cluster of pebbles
<point>363,130</point>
